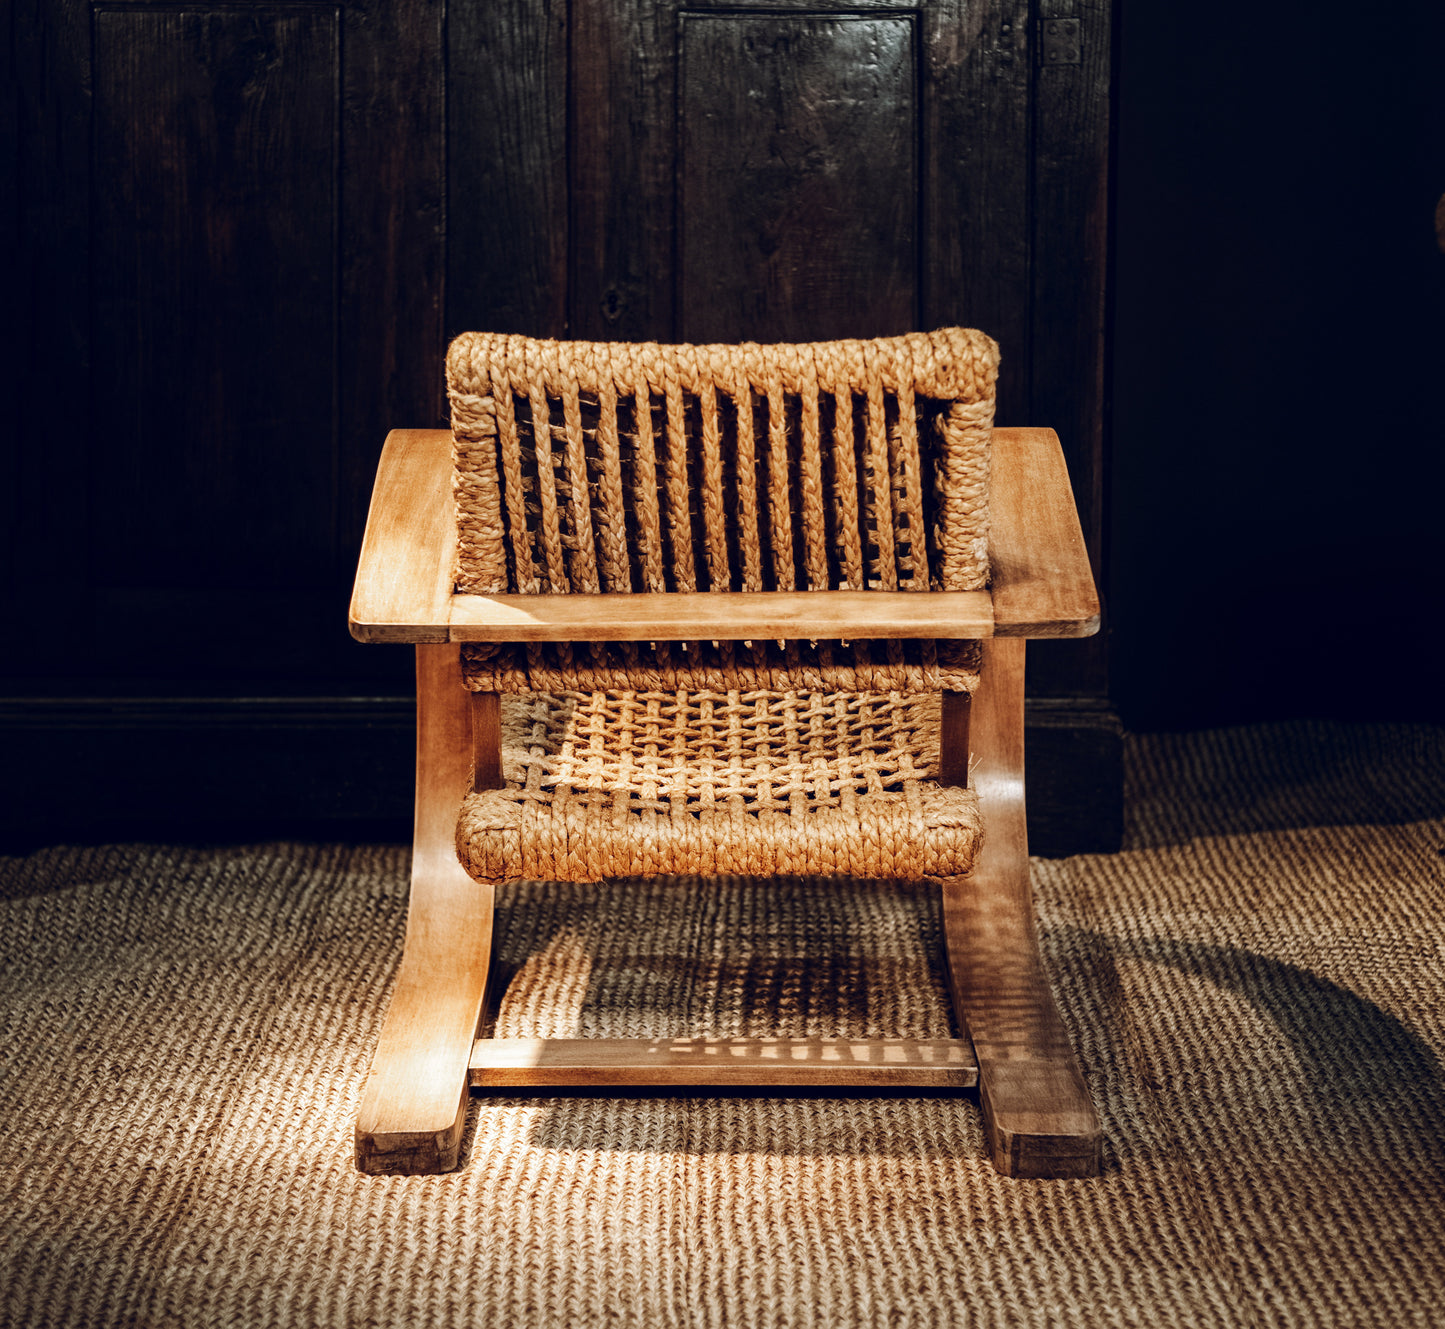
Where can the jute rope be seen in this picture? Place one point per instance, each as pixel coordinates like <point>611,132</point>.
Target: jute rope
<point>795,666</point>
<point>623,784</point>
<point>583,467</point>
<point>722,467</point>
<point>1256,991</point>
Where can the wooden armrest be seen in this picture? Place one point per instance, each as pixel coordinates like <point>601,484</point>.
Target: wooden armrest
<point>404,580</point>
<point>723,616</point>
<point>1042,583</point>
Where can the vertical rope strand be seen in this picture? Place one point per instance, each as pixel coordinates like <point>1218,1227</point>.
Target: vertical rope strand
<point>549,527</point>
<point>908,491</point>
<point>477,491</point>
<point>845,494</point>
<point>780,516</point>
<point>679,514</point>
<point>963,487</point>
<point>528,583</point>
<point>617,572</point>
<point>649,522</point>
<point>747,477</point>
<point>880,478</point>
<point>714,514</point>
<point>811,484</point>
<point>579,505</point>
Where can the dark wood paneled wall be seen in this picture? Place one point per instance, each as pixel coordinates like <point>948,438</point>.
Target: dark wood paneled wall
<point>229,277</point>
<point>796,189</point>
<point>215,187</point>
<point>245,231</point>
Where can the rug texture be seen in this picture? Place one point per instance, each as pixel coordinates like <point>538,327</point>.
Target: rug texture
<point>1256,986</point>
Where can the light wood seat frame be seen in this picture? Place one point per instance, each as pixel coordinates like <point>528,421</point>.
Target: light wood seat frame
<point>1038,1117</point>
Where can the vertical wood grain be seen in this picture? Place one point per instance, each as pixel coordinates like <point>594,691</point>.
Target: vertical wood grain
<point>1038,1118</point>
<point>411,1115</point>
<point>216,188</point>
<point>41,554</point>
<point>263,190</point>
<point>797,177</point>
<point>390,255</point>
<point>977,68</point>
<point>507,230</point>
<point>486,741</point>
<point>1069,238</point>
<point>622,159</point>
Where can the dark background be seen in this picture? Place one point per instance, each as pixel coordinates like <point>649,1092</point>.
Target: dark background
<point>1261,487</point>
<point>1278,423</point>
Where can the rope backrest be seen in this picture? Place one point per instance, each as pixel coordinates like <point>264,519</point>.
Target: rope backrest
<point>586,467</point>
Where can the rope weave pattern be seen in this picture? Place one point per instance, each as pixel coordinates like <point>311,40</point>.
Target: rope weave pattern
<point>798,666</point>
<point>835,465</point>
<point>212,1014</point>
<point>623,784</point>
<point>583,467</point>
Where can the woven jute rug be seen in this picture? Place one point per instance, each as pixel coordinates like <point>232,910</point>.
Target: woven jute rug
<point>1256,987</point>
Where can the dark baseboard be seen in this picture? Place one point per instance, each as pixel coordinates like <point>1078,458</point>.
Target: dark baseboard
<point>96,769</point>
<point>1074,766</point>
<point>100,769</point>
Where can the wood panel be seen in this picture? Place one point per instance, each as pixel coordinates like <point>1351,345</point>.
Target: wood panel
<point>798,191</point>
<point>486,742</point>
<point>976,170</point>
<point>230,236</point>
<point>101,769</point>
<point>507,223</point>
<point>10,290</point>
<point>1069,239</point>
<point>50,323</point>
<point>391,242</point>
<point>622,93</point>
<point>215,186</point>
<point>954,750</point>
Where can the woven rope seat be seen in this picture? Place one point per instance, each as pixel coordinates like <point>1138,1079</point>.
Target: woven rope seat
<point>792,666</point>
<point>836,465</point>
<point>742,611</point>
<point>625,784</point>
<point>591,468</point>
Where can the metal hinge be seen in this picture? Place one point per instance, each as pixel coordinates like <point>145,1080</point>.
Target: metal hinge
<point>1059,41</point>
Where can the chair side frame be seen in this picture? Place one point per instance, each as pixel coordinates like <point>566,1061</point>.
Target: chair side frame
<point>1038,1118</point>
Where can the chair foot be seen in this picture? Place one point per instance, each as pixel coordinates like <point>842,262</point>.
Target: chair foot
<point>1038,1119</point>
<point>411,1152</point>
<point>415,1104</point>
<point>1037,1115</point>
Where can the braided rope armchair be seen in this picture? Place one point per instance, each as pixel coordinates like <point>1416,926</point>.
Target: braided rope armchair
<point>723,609</point>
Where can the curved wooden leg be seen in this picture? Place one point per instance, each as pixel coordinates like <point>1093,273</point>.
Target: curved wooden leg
<point>416,1097</point>
<point>1037,1113</point>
